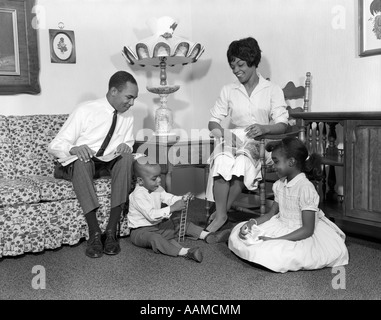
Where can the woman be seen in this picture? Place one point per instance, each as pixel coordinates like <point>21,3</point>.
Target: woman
<point>255,107</point>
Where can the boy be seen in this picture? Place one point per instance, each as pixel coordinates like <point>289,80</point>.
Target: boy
<point>150,224</point>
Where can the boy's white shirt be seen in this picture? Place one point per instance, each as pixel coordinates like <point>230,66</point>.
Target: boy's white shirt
<point>145,207</point>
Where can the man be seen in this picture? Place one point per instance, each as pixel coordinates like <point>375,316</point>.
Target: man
<point>84,135</point>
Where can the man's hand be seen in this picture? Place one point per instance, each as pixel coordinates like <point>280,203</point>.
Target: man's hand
<point>84,153</point>
<point>123,148</point>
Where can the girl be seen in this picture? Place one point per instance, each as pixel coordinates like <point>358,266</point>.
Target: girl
<point>294,234</point>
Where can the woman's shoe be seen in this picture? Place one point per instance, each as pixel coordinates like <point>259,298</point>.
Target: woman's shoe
<point>218,236</point>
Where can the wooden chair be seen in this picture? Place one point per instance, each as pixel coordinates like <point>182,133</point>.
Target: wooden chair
<point>294,129</point>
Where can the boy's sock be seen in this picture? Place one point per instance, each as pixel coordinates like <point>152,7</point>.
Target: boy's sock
<point>183,251</point>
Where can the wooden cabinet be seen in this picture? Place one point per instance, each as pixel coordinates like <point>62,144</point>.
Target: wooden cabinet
<point>358,210</point>
<point>363,171</point>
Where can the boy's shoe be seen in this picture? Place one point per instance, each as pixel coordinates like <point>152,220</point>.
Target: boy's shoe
<point>194,254</point>
<point>218,236</point>
<point>94,246</point>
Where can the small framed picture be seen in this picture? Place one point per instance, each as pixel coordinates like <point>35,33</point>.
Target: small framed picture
<point>62,46</point>
<point>370,27</point>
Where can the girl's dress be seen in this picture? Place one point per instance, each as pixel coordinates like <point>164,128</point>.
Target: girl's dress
<point>325,248</point>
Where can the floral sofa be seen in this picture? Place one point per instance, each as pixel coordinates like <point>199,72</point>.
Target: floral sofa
<point>37,211</point>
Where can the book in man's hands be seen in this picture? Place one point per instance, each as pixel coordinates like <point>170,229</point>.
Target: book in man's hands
<point>67,160</point>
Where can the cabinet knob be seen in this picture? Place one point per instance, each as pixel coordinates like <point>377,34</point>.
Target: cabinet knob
<point>354,136</point>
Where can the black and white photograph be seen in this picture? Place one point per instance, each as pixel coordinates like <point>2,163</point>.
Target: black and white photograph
<point>191,158</point>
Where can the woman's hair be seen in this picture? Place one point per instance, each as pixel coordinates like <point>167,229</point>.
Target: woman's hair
<point>294,148</point>
<point>246,49</point>
<point>118,80</point>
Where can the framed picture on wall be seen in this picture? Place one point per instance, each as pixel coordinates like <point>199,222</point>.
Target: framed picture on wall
<point>9,45</point>
<point>370,27</point>
<point>19,61</point>
<point>62,46</point>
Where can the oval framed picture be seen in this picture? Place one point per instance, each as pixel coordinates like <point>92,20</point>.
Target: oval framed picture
<point>62,46</point>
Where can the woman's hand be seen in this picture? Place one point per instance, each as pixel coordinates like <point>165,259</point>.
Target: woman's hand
<point>256,130</point>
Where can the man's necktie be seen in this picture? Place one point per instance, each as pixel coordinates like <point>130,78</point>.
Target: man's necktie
<point>108,137</point>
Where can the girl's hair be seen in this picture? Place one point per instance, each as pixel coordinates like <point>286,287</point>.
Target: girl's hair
<point>246,49</point>
<point>294,148</point>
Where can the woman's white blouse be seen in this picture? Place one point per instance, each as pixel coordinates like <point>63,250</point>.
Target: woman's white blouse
<point>265,105</point>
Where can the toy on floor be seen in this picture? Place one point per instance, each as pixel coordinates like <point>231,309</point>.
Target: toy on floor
<point>183,217</point>
<point>250,233</point>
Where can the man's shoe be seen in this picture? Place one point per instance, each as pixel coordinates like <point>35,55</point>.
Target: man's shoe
<point>111,243</point>
<point>219,236</point>
<point>94,246</point>
<point>194,254</point>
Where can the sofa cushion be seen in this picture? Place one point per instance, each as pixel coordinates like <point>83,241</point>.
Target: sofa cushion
<point>30,136</point>
<point>17,191</point>
<point>48,225</point>
<point>52,189</point>
<point>7,167</point>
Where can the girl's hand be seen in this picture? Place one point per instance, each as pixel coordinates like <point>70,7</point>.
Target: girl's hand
<point>264,238</point>
<point>243,231</point>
